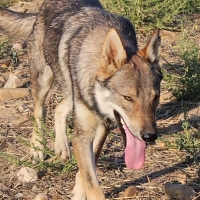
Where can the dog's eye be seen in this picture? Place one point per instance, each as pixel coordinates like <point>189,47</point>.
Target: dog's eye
<point>128,98</point>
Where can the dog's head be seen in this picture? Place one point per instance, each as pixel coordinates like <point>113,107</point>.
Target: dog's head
<point>127,92</point>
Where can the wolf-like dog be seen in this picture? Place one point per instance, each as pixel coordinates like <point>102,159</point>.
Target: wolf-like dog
<point>106,79</point>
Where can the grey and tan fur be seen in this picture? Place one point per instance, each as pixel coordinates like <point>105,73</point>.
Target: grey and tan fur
<point>107,81</point>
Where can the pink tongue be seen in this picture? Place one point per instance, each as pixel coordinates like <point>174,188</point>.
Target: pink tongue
<point>134,152</point>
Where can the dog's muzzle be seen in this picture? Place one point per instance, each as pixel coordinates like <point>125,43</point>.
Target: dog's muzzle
<point>150,137</point>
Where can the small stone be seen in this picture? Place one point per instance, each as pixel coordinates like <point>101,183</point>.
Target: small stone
<point>41,196</point>
<point>5,62</point>
<point>19,195</point>
<point>13,93</point>
<point>13,82</point>
<point>180,192</point>
<point>19,45</point>
<point>27,174</point>
<point>131,191</point>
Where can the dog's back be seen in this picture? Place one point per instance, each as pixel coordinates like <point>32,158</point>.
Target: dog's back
<point>51,9</point>
<point>70,28</point>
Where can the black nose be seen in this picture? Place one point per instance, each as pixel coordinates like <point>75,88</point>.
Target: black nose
<point>149,137</point>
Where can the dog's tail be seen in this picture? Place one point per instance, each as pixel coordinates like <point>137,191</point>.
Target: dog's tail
<point>16,24</point>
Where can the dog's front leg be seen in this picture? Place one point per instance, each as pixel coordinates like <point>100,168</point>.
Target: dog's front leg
<point>86,180</point>
<point>87,185</point>
<point>78,191</point>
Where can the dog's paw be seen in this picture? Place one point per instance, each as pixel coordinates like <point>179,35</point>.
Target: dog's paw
<point>36,149</point>
<point>78,192</point>
<point>62,149</point>
<point>36,153</point>
<point>78,196</point>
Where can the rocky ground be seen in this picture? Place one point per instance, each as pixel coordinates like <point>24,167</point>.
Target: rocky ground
<point>164,164</point>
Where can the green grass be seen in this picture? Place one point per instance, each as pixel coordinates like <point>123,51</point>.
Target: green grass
<point>7,3</point>
<point>188,139</point>
<point>164,14</point>
<point>52,164</point>
<point>6,51</point>
<point>184,78</point>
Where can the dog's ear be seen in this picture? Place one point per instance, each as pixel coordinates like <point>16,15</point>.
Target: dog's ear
<point>113,55</point>
<point>151,52</point>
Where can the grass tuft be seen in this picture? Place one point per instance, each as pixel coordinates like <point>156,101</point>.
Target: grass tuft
<point>184,80</point>
<point>165,14</point>
<point>51,164</point>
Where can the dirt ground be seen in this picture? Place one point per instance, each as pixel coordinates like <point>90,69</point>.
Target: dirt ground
<point>163,164</point>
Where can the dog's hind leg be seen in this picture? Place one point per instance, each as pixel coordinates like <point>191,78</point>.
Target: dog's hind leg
<point>42,79</point>
<point>62,148</point>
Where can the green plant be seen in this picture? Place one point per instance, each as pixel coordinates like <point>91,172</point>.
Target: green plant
<point>4,48</point>
<point>168,142</point>
<point>51,164</point>
<point>165,14</point>
<point>189,140</point>
<point>7,52</point>
<point>7,2</point>
<point>184,79</point>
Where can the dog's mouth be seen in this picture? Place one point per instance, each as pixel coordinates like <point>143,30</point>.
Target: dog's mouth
<point>134,148</point>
